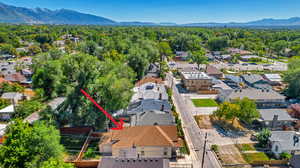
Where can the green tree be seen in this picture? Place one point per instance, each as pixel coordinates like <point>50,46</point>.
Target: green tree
<point>3,103</point>
<point>11,87</point>
<point>228,111</point>
<point>248,111</point>
<point>279,46</point>
<point>218,43</point>
<point>43,38</point>
<point>7,49</point>
<point>292,77</point>
<point>137,60</point>
<point>27,145</point>
<point>55,163</point>
<point>199,57</point>
<point>34,49</point>
<point>26,108</point>
<point>263,137</point>
<point>285,155</point>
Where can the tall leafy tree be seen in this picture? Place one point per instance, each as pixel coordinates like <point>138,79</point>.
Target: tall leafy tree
<point>199,57</point>
<point>27,145</point>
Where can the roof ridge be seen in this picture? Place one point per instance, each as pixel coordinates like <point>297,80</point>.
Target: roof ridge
<point>164,134</point>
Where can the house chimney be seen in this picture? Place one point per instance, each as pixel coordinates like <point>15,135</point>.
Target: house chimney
<point>274,122</point>
<point>160,96</point>
<point>162,107</point>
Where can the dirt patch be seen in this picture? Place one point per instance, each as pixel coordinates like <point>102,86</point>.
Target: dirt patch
<point>203,121</point>
<point>229,154</point>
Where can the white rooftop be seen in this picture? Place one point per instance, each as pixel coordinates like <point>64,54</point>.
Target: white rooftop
<point>8,109</point>
<point>195,75</point>
<point>273,77</point>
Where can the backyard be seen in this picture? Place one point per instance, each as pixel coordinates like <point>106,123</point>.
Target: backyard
<point>204,103</point>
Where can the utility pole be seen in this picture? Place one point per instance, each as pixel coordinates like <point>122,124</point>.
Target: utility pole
<point>204,150</point>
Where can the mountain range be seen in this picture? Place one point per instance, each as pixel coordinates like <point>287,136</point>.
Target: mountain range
<point>18,15</point>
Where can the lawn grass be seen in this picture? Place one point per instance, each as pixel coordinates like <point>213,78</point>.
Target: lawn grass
<point>246,147</point>
<point>204,103</point>
<point>253,157</point>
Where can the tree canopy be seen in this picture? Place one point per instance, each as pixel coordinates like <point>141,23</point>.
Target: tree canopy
<point>30,146</point>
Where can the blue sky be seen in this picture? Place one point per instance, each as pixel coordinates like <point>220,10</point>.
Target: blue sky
<point>179,11</point>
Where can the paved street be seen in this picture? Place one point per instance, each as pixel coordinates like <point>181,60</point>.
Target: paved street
<point>194,137</point>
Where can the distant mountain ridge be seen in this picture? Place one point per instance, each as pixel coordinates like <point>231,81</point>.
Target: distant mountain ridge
<point>12,14</point>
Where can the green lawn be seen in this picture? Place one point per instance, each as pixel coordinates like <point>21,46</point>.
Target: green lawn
<point>252,157</point>
<point>246,147</point>
<point>204,102</point>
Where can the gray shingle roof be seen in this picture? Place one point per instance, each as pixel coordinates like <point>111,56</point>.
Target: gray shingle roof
<point>234,78</point>
<point>12,95</point>
<point>268,114</point>
<point>285,139</point>
<point>150,91</point>
<point>252,78</point>
<point>255,94</point>
<point>56,102</point>
<point>133,163</point>
<point>152,118</point>
<point>145,105</point>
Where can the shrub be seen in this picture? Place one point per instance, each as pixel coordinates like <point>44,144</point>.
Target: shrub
<point>215,148</point>
<point>285,155</point>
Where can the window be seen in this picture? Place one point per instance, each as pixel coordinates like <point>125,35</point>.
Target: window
<point>143,153</point>
<point>276,148</point>
<point>165,153</point>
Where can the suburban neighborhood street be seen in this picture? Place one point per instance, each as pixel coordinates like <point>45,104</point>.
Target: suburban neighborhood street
<point>194,137</point>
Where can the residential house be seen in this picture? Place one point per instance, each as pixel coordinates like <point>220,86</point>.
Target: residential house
<point>14,97</point>
<point>107,162</point>
<point>264,98</point>
<point>144,105</point>
<point>284,141</point>
<point>149,80</point>
<point>196,81</point>
<point>149,91</point>
<point>256,81</point>
<point>273,79</point>
<point>224,57</point>
<point>59,43</point>
<point>234,51</point>
<point>233,81</point>
<point>220,85</point>
<point>181,55</point>
<point>27,73</point>
<point>7,68</point>
<point>216,53</point>
<point>153,71</point>
<point>54,105</point>
<point>6,113</point>
<point>210,57</point>
<point>16,77</point>
<point>6,56</point>
<point>22,50</point>
<point>276,119</point>
<point>141,142</point>
<point>214,72</point>
<point>152,117</point>
<point>247,58</point>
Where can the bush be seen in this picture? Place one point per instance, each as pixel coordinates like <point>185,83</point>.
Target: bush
<point>214,148</point>
<point>90,153</point>
<point>285,155</point>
